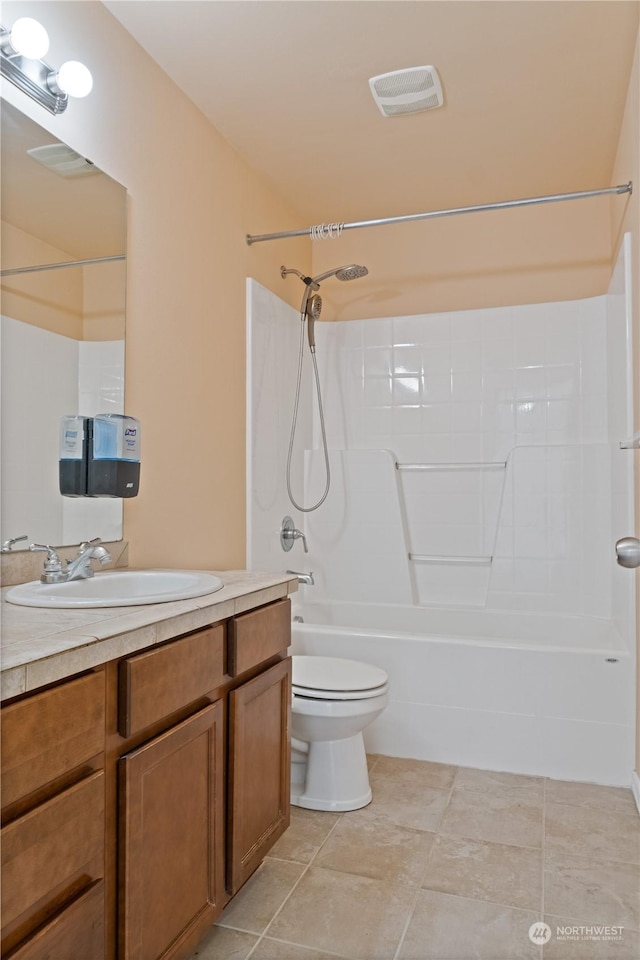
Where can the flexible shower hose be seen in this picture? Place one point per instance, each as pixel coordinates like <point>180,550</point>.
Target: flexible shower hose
<point>295,420</point>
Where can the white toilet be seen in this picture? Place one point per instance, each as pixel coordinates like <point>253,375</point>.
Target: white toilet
<point>333,701</point>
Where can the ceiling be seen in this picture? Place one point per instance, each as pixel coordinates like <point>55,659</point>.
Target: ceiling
<point>534,94</point>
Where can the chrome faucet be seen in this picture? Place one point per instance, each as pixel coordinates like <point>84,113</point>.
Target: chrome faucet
<point>57,570</point>
<point>303,577</point>
<point>80,568</point>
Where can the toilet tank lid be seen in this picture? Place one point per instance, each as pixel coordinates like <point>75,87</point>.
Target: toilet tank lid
<point>335,673</point>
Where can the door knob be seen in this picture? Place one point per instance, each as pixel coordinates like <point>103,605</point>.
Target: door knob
<point>628,552</point>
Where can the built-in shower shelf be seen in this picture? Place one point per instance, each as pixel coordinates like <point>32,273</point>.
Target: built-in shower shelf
<point>466,561</point>
<point>484,465</point>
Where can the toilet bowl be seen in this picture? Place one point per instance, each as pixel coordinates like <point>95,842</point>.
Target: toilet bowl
<point>333,701</point>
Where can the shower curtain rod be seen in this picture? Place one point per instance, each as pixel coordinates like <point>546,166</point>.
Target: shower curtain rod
<point>325,231</point>
<point>60,266</point>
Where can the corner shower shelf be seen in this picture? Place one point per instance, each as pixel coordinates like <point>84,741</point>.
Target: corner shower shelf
<point>484,465</point>
<point>467,561</point>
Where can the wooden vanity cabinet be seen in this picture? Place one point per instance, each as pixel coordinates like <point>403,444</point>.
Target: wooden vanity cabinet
<point>138,798</point>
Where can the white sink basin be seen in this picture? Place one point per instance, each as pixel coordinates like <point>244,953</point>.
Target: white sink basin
<point>117,588</point>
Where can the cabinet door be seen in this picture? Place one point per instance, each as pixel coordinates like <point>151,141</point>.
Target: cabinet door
<point>171,820</point>
<point>259,769</point>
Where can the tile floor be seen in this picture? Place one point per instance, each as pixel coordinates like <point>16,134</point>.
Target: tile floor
<point>446,863</point>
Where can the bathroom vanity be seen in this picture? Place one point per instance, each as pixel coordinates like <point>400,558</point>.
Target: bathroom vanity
<point>145,768</point>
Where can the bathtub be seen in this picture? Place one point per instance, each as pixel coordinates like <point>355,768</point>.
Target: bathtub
<point>519,692</point>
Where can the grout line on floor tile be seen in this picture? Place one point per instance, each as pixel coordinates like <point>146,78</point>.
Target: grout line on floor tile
<point>502,843</point>
<point>424,874</point>
<point>294,887</point>
<point>408,922</point>
<point>293,943</point>
<point>338,820</point>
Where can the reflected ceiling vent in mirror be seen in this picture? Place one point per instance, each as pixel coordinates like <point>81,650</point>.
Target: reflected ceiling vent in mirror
<point>63,160</point>
<point>407,91</point>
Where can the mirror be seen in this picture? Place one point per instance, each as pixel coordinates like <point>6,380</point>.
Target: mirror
<point>62,337</point>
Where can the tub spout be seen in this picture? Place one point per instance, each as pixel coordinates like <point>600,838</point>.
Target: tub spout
<point>303,577</point>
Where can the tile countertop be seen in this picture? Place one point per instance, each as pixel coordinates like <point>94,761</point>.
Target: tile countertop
<point>41,645</point>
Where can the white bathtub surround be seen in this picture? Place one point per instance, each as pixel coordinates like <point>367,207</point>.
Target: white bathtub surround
<point>273,330</point>
<point>524,693</point>
<point>486,584</point>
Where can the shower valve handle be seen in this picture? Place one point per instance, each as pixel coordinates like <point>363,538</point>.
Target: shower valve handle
<point>288,534</point>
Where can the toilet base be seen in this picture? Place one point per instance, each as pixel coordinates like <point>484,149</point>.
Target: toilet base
<point>336,776</point>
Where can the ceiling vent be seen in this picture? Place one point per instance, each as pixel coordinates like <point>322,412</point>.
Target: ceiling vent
<point>63,160</point>
<point>407,91</point>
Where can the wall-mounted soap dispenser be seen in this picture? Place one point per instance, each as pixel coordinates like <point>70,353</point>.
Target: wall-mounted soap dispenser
<point>100,456</point>
<point>113,460</point>
<point>73,456</point>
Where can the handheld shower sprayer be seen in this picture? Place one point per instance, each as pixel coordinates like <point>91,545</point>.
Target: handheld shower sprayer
<point>314,309</point>
<point>311,306</point>
<point>310,310</point>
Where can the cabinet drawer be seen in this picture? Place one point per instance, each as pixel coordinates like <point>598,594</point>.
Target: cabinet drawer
<point>48,851</point>
<point>258,635</point>
<point>76,933</point>
<point>155,684</point>
<point>50,733</point>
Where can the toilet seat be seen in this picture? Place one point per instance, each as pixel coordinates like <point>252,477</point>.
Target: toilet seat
<point>333,678</point>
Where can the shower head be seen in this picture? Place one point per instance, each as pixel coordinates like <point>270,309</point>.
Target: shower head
<point>312,305</point>
<point>352,271</point>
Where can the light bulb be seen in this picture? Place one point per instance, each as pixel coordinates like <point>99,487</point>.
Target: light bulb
<point>29,38</point>
<point>74,79</point>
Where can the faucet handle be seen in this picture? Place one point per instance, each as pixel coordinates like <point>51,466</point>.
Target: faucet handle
<point>88,543</point>
<point>289,533</point>
<point>53,571</point>
<point>51,554</point>
<point>8,544</point>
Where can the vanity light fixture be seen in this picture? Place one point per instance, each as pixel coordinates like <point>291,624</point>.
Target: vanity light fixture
<point>21,50</point>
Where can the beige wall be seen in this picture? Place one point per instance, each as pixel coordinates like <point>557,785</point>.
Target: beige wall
<point>557,251</point>
<point>192,199</point>
<point>627,166</point>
